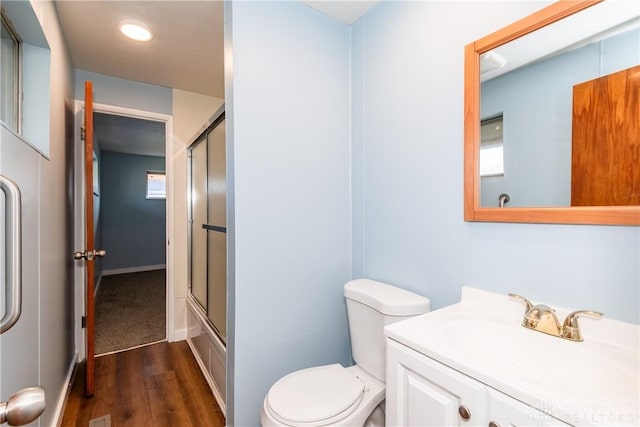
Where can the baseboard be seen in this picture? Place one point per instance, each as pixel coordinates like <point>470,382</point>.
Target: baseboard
<point>64,394</point>
<point>207,376</point>
<point>133,269</point>
<point>178,335</point>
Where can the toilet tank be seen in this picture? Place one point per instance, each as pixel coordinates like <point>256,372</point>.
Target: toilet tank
<point>371,306</point>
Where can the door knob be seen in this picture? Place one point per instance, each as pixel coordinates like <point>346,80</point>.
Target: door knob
<point>23,407</point>
<point>89,255</point>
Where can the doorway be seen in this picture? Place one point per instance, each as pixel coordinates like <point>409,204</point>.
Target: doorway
<point>132,223</point>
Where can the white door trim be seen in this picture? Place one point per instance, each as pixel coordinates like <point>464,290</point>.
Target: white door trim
<point>79,215</point>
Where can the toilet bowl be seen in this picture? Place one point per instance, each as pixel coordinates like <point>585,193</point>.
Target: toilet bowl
<point>352,396</point>
<point>322,396</point>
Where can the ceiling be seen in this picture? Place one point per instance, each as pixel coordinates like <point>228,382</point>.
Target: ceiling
<point>592,24</point>
<point>129,135</point>
<point>187,52</point>
<point>343,10</point>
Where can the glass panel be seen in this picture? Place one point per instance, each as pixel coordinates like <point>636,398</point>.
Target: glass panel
<point>217,241</point>
<point>217,312</point>
<point>199,217</point>
<point>217,176</point>
<point>9,57</point>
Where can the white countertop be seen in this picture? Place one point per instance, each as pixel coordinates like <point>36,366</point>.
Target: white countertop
<point>594,382</point>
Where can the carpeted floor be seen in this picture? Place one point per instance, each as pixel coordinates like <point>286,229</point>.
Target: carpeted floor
<point>130,310</point>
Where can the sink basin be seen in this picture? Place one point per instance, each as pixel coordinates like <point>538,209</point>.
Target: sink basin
<point>536,358</point>
<point>594,382</point>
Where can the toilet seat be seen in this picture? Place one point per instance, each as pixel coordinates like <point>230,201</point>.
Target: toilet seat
<point>315,396</point>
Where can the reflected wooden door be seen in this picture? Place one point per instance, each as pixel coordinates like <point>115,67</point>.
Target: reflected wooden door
<point>606,142</point>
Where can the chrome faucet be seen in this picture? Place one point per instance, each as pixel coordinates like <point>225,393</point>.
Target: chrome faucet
<point>543,318</point>
<point>502,199</point>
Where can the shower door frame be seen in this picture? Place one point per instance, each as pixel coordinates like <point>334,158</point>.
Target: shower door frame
<point>201,137</point>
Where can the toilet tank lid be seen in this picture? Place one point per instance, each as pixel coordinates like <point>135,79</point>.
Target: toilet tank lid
<point>385,298</point>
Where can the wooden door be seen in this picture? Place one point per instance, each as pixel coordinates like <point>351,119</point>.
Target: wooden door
<point>89,243</point>
<point>89,253</point>
<point>606,141</point>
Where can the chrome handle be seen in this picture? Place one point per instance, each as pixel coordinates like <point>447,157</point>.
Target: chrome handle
<point>89,255</point>
<point>523,300</point>
<point>23,407</point>
<point>464,412</point>
<point>13,231</point>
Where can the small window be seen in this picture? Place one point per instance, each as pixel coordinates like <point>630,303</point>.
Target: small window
<point>156,185</point>
<point>10,76</point>
<point>491,144</point>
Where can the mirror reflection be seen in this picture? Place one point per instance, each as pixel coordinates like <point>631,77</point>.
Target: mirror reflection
<point>560,115</point>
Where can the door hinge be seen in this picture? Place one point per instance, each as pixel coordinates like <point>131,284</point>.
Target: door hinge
<point>84,322</point>
<point>82,131</point>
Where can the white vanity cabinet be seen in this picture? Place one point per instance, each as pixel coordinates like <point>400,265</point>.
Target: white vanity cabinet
<point>424,392</point>
<point>505,411</point>
<point>474,360</point>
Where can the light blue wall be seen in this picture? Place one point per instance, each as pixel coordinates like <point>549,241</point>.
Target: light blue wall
<point>347,148</point>
<point>537,133</point>
<point>132,227</point>
<point>410,161</point>
<point>231,216</point>
<point>125,93</point>
<point>289,105</point>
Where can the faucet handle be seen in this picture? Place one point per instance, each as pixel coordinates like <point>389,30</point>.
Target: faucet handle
<point>523,300</point>
<point>572,318</point>
<point>571,329</point>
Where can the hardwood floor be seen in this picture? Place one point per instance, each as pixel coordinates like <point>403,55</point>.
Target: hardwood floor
<point>158,385</point>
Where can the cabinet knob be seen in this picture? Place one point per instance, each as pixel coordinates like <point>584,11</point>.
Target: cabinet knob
<point>494,424</point>
<point>464,412</point>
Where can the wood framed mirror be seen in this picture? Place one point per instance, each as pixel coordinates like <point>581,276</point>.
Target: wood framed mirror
<point>618,213</point>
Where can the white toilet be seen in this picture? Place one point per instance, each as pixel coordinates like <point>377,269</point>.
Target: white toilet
<point>353,396</point>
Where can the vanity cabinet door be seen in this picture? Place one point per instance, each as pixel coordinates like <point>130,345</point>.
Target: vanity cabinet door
<point>423,392</point>
<point>505,411</point>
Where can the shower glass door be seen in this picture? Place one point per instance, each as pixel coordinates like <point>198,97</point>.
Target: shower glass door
<point>208,225</point>
<point>199,217</point>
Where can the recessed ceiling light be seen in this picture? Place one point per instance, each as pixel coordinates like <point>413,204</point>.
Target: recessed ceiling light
<point>135,30</point>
